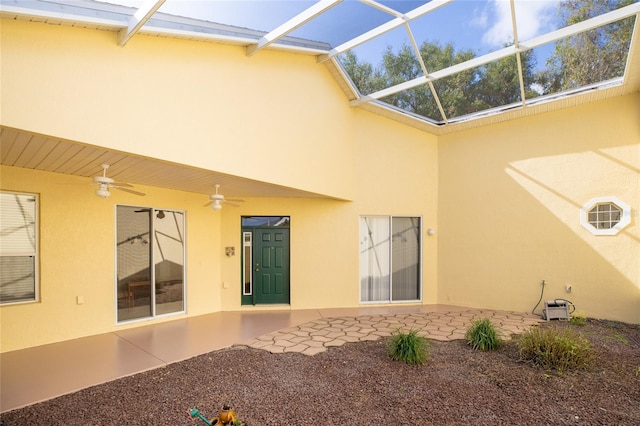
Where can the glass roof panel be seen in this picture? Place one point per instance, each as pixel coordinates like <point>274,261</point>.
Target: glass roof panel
<point>585,59</point>
<point>534,18</point>
<point>263,15</point>
<point>403,6</point>
<point>373,50</point>
<point>382,62</point>
<point>417,100</point>
<point>478,89</point>
<point>465,26</point>
<point>537,17</point>
<point>342,23</point>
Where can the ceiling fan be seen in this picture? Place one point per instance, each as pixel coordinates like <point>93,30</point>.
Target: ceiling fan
<point>105,183</point>
<point>217,199</point>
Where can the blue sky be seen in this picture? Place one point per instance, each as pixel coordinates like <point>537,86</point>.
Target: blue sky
<point>480,25</point>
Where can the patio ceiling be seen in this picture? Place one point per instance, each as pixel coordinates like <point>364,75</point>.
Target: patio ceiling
<point>39,152</point>
<point>304,27</point>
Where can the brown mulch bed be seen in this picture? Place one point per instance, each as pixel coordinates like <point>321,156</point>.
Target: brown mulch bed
<point>358,384</point>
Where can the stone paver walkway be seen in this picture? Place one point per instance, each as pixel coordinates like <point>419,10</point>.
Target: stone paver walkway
<point>318,335</point>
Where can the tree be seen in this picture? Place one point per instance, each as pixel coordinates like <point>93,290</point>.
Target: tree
<point>361,73</point>
<point>403,66</point>
<point>468,91</point>
<point>500,82</point>
<point>456,91</point>
<point>590,57</point>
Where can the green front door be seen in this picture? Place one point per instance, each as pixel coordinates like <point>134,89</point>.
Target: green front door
<point>270,265</point>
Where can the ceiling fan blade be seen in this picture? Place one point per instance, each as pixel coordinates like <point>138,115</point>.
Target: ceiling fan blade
<point>230,204</point>
<point>234,200</point>
<point>130,191</point>
<point>207,204</point>
<point>122,184</point>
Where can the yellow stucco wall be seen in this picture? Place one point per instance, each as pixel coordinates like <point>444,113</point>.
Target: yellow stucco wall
<point>395,173</point>
<point>509,202</point>
<point>157,95</point>
<point>208,106</point>
<point>77,257</point>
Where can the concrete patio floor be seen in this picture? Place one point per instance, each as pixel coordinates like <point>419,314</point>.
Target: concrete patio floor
<point>32,375</point>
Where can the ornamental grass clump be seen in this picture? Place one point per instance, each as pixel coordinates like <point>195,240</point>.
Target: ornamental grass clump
<point>559,350</point>
<point>410,347</point>
<point>578,319</point>
<point>482,335</point>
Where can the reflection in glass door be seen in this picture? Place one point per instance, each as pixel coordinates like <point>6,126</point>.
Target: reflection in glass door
<point>168,260</point>
<point>149,237</point>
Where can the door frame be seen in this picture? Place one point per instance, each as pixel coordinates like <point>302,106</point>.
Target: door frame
<point>249,224</point>
<point>151,241</point>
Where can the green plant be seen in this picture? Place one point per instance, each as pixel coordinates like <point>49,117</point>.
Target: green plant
<point>408,347</point>
<point>559,350</point>
<point>618,337</point>
<point>578,318</point>
<point>482,335</point>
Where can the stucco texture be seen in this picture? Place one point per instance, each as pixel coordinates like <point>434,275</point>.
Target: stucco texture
<point>509,211</point>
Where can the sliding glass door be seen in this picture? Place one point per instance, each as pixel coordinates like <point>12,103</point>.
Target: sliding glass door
<point>405,258</point>
<point>168,260</point>
<point>150,262</point>
<point>375,264</point>
<point>390,259</point>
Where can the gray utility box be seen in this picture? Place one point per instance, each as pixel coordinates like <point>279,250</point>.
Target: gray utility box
<point>556,309</point>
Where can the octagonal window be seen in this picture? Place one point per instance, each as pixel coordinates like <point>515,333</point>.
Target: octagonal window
<point>605,216</point>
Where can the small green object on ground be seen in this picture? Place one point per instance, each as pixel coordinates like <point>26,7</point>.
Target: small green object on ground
<point>560,350</point>
<point>408,347</point>
<point>482,335</point>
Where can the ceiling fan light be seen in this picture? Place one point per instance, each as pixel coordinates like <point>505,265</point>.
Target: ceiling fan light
<point>103,193</point>
<point>216,206</point>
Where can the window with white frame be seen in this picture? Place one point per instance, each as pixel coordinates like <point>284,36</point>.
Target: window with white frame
<point>390,268</point>
<point>18,247</point>
<point>605,215</point>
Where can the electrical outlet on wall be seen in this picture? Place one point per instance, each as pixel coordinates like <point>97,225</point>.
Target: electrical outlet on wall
<point>568,288</point>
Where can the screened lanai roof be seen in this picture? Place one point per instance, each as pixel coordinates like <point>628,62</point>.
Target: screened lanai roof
<point>439,65</point>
